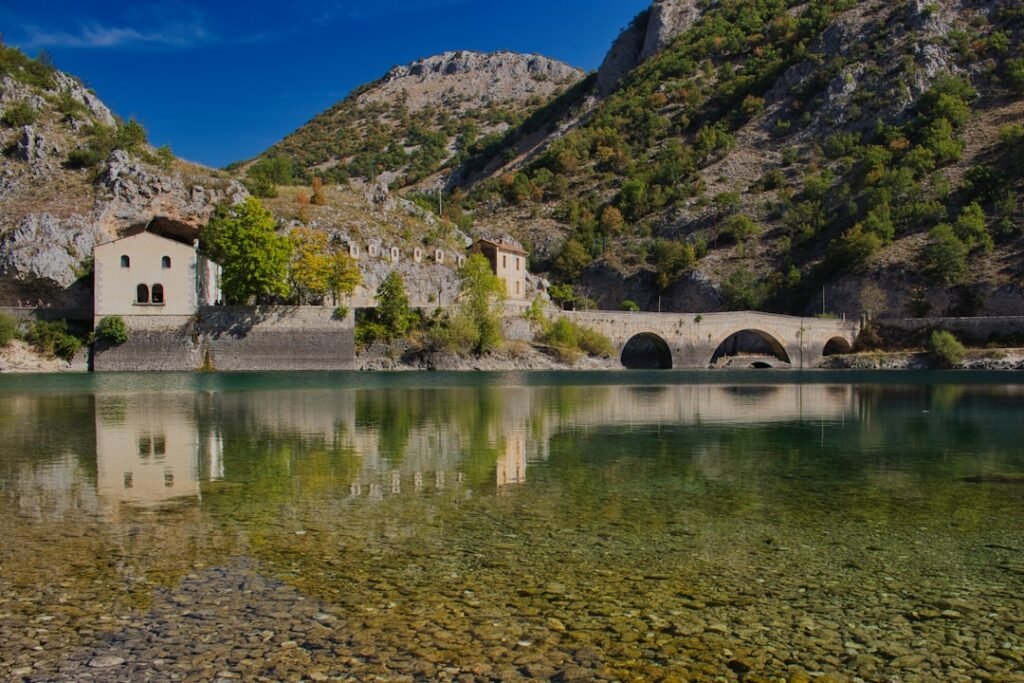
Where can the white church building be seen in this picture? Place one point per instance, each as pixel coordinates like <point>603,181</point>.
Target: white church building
<point>151,274</point>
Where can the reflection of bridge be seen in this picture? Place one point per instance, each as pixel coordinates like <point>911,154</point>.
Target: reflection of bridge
<point>687,340</point>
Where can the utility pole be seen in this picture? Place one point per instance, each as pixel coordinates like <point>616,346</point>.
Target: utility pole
<point>822,301</point>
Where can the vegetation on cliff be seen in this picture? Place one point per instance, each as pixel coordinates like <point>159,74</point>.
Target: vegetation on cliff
<point>777,149</point>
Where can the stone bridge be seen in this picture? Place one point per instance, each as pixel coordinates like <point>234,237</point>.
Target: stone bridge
<point>689,340</point>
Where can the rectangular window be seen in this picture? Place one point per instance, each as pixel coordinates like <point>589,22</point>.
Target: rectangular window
<point>504,261</point>
<point>517,263</point>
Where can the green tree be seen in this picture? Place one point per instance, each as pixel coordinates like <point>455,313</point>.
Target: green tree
<point>244,241</point>
<point>970,229</point>
<point>743,291</point>
<point>945,255</point>
<point>265,175</point>
<point>1015,75</point>
<point>480,304</point>
<point>393,312</point>
<point>671,260</point>
<point>572,259</point>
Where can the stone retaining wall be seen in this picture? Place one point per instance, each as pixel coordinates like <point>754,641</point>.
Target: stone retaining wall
<point>234,339</point>
<point>970,330</point>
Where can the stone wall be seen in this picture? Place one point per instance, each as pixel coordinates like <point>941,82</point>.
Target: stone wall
<point>1008,329</point>
<point>234,339</point>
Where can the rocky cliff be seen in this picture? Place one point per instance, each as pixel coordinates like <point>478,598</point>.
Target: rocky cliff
<point>649,33</point>
<point>65,185</point>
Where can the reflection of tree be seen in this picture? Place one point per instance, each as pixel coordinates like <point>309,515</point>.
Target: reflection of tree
<point>392,415</point>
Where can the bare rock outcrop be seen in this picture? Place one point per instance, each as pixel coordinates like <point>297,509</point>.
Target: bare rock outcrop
<point>649,33</point>
<point>47,247</point>
<point>668,19</point>
<point>134,194</point>
<point>467,79</point>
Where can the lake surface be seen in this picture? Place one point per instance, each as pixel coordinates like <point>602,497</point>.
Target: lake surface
<point>512,526</point>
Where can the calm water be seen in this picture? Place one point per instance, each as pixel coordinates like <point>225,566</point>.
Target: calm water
<point>620,526</point>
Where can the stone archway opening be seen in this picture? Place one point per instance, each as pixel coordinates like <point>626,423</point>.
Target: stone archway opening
<point>647,351</point>
<point>750,349</point>
<point>837,346</point>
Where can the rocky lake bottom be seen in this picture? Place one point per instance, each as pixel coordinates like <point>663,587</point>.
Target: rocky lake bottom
<point>512,527</point>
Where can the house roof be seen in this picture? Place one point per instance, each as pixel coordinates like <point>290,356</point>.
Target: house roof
<point>505,245</point>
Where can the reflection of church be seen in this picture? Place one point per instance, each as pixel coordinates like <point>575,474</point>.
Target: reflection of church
<point>148,450</point>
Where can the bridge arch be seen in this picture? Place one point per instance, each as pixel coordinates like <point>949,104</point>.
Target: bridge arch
<point>752,342</point>
<point>646,351</point>
<point>837,345</point>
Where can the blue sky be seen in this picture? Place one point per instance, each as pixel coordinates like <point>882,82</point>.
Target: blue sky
<point>221,81</point>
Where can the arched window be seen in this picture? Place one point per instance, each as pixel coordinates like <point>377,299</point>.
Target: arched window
<point>142,294</point>
<point>165,262</point>
<point>158,294</point>
<point>125,261</point>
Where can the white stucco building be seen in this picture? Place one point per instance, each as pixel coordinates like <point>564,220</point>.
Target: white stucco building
<point>508,262</point>
<point>149,274</point>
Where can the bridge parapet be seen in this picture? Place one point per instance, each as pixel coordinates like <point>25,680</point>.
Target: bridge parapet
<point>693,339</point>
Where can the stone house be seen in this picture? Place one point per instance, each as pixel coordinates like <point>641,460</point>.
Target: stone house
<point>151,274</point>
<point>508,262</point>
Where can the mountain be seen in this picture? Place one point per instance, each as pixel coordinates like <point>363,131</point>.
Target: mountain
<point>73,175</point>
<point>422,116</point>
<point>747,154</point>
<point>756,153</point>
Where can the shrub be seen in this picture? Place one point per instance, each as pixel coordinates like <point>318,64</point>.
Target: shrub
<point>113,329</point>
<point>20,113</point>
<point>570,340</point>
<point>970,229</point>
<point>8,329</point>
<point>1015,75</point>
<point>630,305</point>
<point>945,255</point>
<point>53,338</point>
<point>946,348</point>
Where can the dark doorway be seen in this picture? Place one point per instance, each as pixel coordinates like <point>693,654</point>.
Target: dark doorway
<point>647,351</point>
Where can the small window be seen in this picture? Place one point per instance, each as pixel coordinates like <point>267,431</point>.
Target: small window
<point>158,294</point>
<point>165,262</point>
<point>504,261</point>
<point>517,262</point>
<point>518,290</point>
<point>126,262</point>
<point>129,480</point>
<point>159,445</point>
<point>142,294</point>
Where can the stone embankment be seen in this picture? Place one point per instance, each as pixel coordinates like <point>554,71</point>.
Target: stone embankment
<point>234,339</point>
<point>975,359</point>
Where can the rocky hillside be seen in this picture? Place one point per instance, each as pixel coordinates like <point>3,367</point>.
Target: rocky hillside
<point>419,118</point>
<point>756,153</point>
<point>73,175</point>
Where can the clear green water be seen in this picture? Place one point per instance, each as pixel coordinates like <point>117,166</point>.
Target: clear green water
<point>604,526</point>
